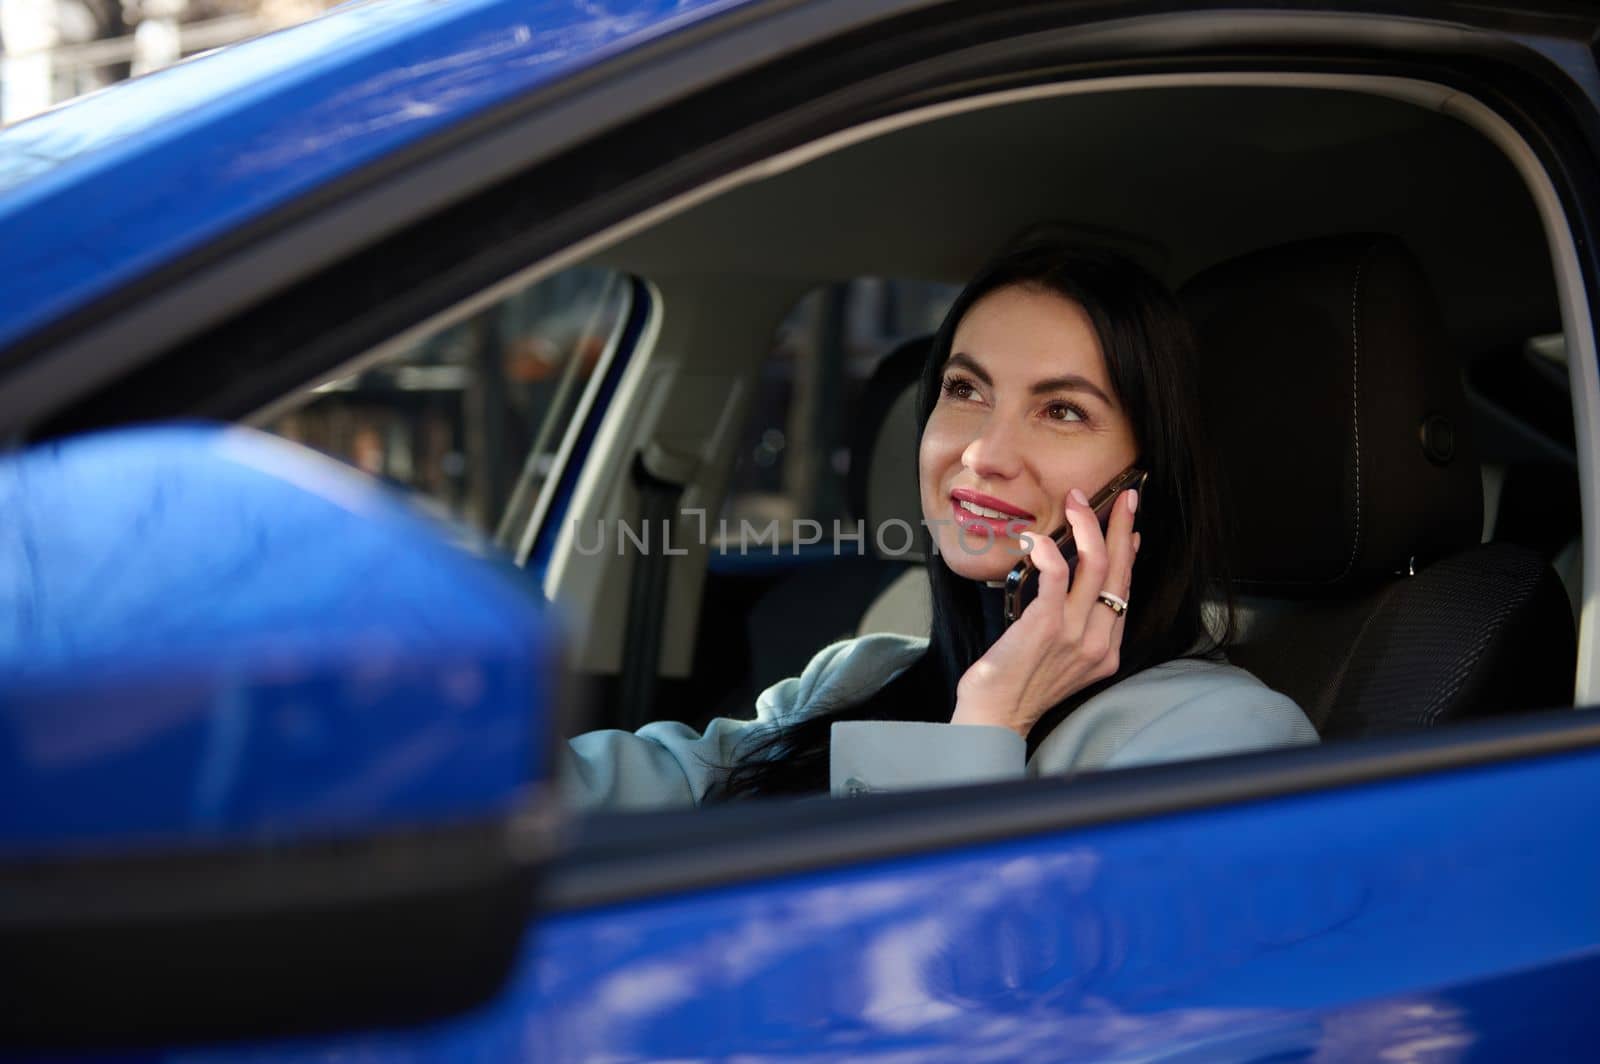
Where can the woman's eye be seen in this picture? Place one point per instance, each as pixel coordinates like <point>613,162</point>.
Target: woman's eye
<point>958,388</point>
<point>1063,412</point>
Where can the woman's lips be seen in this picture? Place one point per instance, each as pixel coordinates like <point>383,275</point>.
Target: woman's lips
<point>989,502</point>
<point>1010,524</point>
<point>994,528</point>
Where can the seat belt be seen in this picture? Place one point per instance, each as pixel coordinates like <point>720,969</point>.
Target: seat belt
<point>659,477</point>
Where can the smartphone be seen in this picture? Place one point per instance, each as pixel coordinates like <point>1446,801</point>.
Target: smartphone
<point>1021,587</point>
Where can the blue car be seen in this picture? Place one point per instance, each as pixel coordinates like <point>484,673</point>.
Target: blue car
<point>389,399</point>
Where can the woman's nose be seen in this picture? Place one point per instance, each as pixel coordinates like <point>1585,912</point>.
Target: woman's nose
<point>995,453</point>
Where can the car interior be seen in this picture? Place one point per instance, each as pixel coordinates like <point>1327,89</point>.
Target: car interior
<point>1383,373</point>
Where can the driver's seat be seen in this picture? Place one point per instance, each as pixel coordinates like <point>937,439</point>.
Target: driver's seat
<point>1336,403</point>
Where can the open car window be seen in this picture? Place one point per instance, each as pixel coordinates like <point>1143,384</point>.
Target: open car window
<point>741,616</point>
<point>719,418</point>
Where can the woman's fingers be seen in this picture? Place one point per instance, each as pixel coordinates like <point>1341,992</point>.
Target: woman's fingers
<point>1119,544</point>
<point>1121,547</point>
<point>1090,574</point>
<point>1054,576</point>
<point>1102,632</point>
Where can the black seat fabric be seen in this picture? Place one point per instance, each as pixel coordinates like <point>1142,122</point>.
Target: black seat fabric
<point>1336,403</point>
<point>1477,634</point>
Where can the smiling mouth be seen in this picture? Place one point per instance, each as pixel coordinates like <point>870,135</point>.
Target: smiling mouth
<point>986,508</point>
<point>983,511</point>
<point>992,523</point>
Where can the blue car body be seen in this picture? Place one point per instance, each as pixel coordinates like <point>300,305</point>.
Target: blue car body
<point>1419,909</point>
<point>120,184</point>
<point>210,610</point>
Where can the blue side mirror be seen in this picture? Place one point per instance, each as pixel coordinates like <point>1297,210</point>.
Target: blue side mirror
<point>272,747</point>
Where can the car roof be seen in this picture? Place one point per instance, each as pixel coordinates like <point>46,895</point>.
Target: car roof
<point>103,190</point>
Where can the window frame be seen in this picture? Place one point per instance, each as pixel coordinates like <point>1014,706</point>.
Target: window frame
<point>620,858</point>
<point>615,347</point>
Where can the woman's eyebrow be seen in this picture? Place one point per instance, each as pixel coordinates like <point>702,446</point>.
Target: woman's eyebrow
<point>1070,383</point>
<point>970,364</point>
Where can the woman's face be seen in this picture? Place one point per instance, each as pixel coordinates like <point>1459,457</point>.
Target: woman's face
<point>1025,414</point>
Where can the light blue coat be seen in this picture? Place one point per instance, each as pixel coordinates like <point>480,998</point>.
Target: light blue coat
<point>1180,709</point>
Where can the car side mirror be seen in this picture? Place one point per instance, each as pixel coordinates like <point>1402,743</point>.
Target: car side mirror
<point>273,749</point>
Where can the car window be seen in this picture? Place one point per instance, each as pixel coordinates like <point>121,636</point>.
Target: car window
<point>470,417</point>
<point>794,457</point>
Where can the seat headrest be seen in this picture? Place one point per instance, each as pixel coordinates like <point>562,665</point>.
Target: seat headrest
<point>883,468</point>
<point>1335,402</point>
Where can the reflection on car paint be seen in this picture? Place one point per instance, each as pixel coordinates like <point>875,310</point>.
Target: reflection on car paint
<point>166,163</point>
<point>1238,933</point>
<point>209,634</point>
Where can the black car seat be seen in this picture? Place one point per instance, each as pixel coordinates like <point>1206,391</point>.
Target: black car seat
<point>1334,399</point>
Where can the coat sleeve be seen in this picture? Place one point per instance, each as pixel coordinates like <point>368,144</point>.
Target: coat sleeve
<point>668,764</point>
<point>660,766</point>
<point>892,755</point>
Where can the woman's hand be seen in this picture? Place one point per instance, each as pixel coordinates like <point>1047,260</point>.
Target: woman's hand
<point>1067,638</point>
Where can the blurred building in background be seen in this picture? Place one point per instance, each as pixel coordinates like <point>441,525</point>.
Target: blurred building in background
<point>53,50</point>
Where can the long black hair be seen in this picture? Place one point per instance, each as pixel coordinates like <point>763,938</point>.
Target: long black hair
<point>1183,603</point>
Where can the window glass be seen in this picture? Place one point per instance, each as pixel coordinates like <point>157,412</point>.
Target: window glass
<point>795,455</point>
<point>471,417</point>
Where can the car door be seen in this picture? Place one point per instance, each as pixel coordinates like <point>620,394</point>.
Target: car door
<point>1288,906</point>
<point>1419,897</point>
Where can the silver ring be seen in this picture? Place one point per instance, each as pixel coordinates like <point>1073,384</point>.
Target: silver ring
<point>1118,604</point>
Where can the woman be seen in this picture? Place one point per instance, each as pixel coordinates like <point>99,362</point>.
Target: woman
<point>1054,370</point>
